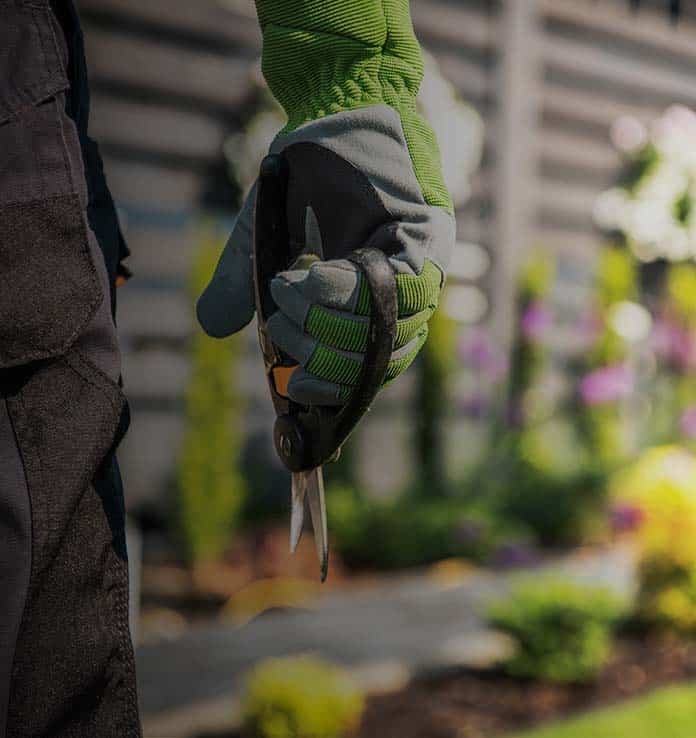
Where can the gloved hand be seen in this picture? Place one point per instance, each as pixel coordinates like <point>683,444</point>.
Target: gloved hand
<point>364,171</point>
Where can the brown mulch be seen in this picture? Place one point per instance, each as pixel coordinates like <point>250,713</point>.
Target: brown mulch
<point>478,705</point>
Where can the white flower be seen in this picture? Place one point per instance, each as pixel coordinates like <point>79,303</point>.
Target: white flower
<point>630,321</point>
<point>628,134</point>
<point>648,211</point>
<point>609,209</point>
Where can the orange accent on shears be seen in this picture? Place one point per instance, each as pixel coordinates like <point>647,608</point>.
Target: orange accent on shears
<point>281,377</point>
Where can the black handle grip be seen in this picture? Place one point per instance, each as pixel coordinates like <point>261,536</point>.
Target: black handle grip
<point>380,278</point>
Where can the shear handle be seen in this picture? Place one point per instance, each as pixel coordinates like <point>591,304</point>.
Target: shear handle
<point>307,437</point>
<point>379,275</point>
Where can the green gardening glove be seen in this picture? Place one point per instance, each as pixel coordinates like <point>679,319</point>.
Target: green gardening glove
<point>364,171</point>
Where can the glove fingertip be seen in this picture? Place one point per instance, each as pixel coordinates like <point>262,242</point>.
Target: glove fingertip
<point>218,315</point>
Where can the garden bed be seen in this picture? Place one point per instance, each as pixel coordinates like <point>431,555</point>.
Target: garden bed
<point>471,704</point>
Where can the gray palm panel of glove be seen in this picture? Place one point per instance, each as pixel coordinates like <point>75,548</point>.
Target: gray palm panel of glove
<point>351,184</point>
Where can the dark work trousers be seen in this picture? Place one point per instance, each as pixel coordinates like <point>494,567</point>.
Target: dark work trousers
<point>66,659</point>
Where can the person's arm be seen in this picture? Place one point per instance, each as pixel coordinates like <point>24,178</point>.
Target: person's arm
<point>365,170</point>
<point>330,56</point>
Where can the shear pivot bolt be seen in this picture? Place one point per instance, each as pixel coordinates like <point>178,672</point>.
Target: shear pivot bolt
<point>285,445</point>
<point>289,443</point>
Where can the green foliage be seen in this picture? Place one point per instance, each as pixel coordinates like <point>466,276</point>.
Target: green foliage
<point>540,479</point>
<point>660,490</point>
<point>560,509</point>
<point>684,208</point>
<point>414,532</point>
<point>640,168</point>
<point>529,354</point>
<point>667,713</point>
<point>617,277</point>
<point>431,403</point>
<point>681,290</point>
<point>210,486</point>
<point>300,697</point>
<point>562,630</point>
<point>604,427</point>
<point>537,277</point>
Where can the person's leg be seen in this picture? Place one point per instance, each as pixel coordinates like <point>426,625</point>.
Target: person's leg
<point>66,660</point>
<point>15,552</point>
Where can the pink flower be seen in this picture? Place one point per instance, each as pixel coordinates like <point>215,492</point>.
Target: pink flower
<point>607,384</point>
<point>478,352</point>
<point>673,343</point>
<point>535,321</point>
<point>626,518</point>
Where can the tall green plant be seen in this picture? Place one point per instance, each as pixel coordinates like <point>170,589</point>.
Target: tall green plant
<point>528,355</point>
<point>210,486</point>
<point>431,401</point>
<point>602,421</point>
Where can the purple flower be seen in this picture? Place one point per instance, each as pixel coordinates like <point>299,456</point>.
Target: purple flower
<point>687,422</point>
<point>626,518</point>
<point>478,352</point>
<point>607,384</point>
<point>535,321</point>
<point>474,406</point>
<point>514,555</point>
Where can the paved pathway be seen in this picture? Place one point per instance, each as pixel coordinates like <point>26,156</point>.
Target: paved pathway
<point>407,625</point>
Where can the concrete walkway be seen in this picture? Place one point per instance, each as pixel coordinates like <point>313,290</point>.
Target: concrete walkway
<point>386,633</point>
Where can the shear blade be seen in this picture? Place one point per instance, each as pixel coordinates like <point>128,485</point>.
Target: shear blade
<point>297,508</point>
<point>308,489</point>
<point>317,512</point>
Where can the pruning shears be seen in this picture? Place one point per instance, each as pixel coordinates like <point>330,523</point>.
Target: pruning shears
<point>307,437</point>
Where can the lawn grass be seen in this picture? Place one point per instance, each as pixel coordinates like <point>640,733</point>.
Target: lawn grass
<point>667,713</point>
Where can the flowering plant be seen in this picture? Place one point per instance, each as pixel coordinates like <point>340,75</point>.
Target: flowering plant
<point>653,208</point>
<point>656,499</point>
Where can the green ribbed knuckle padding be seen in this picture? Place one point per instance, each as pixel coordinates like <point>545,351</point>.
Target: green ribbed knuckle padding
<point>415,292</point>
<point>333,366</point>
<point>329,56</point>
<point>417,297</point>
<point>349,334</point>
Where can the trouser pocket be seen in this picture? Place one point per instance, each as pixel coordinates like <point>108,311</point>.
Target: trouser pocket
<point>49,288</point>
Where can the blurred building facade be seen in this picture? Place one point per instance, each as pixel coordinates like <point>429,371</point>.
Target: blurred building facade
<point>172,80</point>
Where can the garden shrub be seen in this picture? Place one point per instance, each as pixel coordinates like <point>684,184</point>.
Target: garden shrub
<point>411,531</point>
<point>300,697</point>
<point>540,479</point>
<point>210,485</point>
<point>562,630</point>
<point>561,509</point>
<point>657,494</point>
